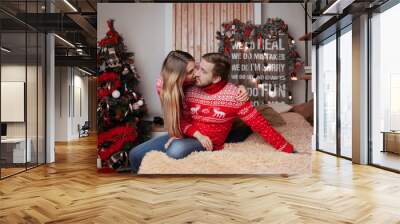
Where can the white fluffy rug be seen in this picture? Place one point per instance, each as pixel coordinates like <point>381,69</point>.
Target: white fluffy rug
<point>253,156</point>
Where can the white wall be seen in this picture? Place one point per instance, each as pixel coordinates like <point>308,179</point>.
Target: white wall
<point>80,83</point>
<point>61,103</point>
<point>68,82</point>
<point>293,15</point>
<point>147,31</point>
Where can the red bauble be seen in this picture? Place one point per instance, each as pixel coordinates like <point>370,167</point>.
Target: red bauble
<point>298,65</point>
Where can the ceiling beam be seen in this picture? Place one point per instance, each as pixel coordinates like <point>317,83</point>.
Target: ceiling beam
<point>85,25</point>
<point>82,61</point>
<point>337,7</point>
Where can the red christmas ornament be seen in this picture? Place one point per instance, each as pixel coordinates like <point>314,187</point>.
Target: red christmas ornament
<point>227,26</point>
<point>103,92</point>
<point>298,65</point>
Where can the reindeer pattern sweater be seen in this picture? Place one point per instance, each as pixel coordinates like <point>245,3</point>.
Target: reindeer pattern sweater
<point>212,110</point>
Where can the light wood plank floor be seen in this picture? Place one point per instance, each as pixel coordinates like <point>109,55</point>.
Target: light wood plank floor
<point>71,191</point>
<point>10,171</point>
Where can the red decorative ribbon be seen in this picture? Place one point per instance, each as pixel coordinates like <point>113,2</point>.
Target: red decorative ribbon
<point>108,77</point>
<point>119,136</point>
<point>106,136</point>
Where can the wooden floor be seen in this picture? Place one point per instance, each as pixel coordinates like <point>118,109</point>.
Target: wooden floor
<point>10,171</point>
<point>71,191</point>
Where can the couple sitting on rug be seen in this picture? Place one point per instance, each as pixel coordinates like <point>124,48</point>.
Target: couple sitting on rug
<point>200,117</point>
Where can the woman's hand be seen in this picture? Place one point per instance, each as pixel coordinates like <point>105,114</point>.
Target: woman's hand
<point>169,142</point>
<point>204,140</point>
<point>242,95</point>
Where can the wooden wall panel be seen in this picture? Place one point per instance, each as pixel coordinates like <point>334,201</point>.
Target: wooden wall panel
<point>195,24</point>
<point>197,29</point>
<point>203,31</point>
<point>184,22</point>
<point>217,24</point>
<point>210,28</point>
<point>250,12</point>
<point>178,26</point>
<point>190,29</point>
<point>236,10</point>
<point>223,12</point>
<point>230,12</point>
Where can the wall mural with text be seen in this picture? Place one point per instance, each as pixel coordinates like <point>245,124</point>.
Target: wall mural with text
<point>264,58</point>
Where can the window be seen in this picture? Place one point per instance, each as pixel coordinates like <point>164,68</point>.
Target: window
<point>385,88</point>
<point>334,106</point>
<point>327,95</point>
<point>346,93</point>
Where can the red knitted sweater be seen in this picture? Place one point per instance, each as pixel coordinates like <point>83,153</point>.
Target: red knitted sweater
<point>212,110</point>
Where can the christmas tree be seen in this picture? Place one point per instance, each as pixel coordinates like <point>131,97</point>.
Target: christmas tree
<point>120,106</point>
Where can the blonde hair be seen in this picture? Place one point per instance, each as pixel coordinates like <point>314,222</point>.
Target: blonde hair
<point>173,73</point>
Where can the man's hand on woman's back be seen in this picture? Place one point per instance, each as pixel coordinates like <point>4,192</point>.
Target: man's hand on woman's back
<point>243,95</point>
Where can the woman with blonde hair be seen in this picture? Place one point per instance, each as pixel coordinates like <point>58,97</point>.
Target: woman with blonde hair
<point>177,73</point>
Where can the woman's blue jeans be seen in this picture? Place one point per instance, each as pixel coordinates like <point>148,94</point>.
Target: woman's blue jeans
<point>178,149</point>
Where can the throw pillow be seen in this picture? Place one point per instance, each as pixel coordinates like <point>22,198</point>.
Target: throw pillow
<point>306,110</point>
